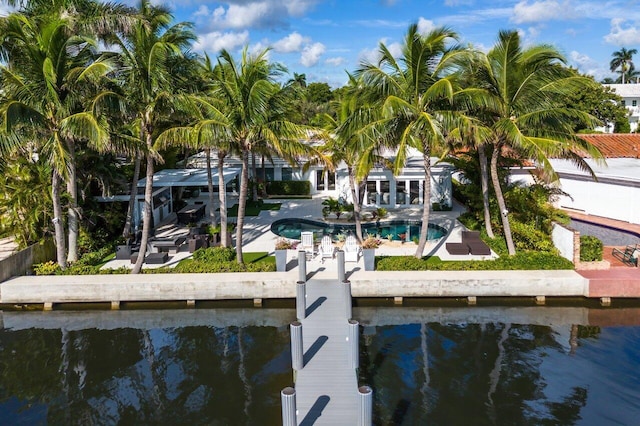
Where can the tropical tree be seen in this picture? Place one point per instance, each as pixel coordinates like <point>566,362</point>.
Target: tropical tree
<point>622,60</point>
<point>351,143</point>
<point>417,90</point>
<point>256,110</point>
<point>523,106</point>
<point>51,76</point>
<point>150,54</point>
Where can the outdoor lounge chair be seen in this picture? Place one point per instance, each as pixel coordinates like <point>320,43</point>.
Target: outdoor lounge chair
<point>327,249</point>
<point>628,255</point>
<point>306,244</point>
<point>351,249</point>
<point>475,244</point>
<point>457,248</point>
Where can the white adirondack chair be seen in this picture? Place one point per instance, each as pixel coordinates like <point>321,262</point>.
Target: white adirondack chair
<point>351,249</point>
<point>327,249</point>
<point>306,244</point>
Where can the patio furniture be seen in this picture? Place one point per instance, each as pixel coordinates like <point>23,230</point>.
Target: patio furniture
<point>191,213</point>
<point>351,249</point>
<point>457,248</point>
<point>160,244</point>
<point>629,255</point>
<point>123,252</point>
<point>152,258</point>
<point>476,245</point>
<point>327,249</point>
<point>197,242</point>
<point>306,244</point>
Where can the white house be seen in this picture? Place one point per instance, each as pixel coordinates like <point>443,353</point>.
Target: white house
<point>616,192</point>
<point>630,94</point>
<point>382,189</point>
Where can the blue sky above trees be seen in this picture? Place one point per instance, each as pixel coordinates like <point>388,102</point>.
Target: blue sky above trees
<point>323,38</point>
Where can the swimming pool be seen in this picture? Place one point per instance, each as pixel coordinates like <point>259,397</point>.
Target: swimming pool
<point>292,227</point>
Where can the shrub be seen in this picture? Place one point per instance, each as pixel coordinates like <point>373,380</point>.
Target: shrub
<point>46,268</point>
<point>283,244</point>
<point>215,254</point>
<point>289,187</point>
<point>590,248</point>
<point>370,243</point>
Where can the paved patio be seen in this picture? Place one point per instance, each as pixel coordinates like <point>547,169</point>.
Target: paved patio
<point>259,238</point>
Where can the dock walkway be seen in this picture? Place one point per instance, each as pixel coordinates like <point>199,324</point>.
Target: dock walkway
<point>326,387</point>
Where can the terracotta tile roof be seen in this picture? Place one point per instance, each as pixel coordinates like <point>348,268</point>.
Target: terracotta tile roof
<point>616,145</point>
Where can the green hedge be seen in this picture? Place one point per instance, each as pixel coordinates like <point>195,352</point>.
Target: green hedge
<point>529,260</point>
<point>590,248</point>
<point>289,187</point>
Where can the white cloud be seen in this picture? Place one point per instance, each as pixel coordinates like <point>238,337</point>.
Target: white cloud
<point>240,14</point>
<point>216,41</point>
<point>622,34</point>
<point>291,43</point>
<point>425,25</point>
<point>537,11</point>
<point>589,66</point>
<point>336,61</point>
<point>311,54</point>
<point>372,56</point>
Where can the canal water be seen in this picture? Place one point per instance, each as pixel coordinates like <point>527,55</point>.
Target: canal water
<point>427,366</point>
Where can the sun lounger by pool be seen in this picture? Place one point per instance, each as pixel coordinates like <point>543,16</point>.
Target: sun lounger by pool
<point>629,255</point>
<point>471,244</point>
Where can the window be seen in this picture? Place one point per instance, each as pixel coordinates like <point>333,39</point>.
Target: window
<point>332,181</point>
<point>287,173</point>
<point>384,190</point>
<point>320,180</point>
<point>624,103</point>
<point>634,103</point>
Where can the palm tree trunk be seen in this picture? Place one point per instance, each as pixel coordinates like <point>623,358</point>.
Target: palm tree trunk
<point>242,203</point>
<point>501,204</point>
<point>58,221</point>
<point>146,221</point>
<point>484,181</point>
<point>222,196</point>
<point>254,174</point>
<point>426,206</point>
<point>357,208</point>
<point>212,209</point>
<point>72,212</point>
<point>126,231</point>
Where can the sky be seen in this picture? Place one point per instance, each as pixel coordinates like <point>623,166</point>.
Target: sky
<point>325,38</point>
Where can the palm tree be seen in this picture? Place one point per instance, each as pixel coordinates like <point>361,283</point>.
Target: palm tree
<point>350,142</point>
<point>522,106</point>
<point>417,90</point>
<point>622,59</point>
<point>50,78</point>
<point>150,52</point>
<point>256,111</point>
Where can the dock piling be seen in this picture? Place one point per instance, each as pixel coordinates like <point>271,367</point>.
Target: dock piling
<point>341,268</point>
<point>365,412</point>
<point>354,344</point>
<point>288,398</point>
<point>346,287</point>
<point>302,266</point>
<point>297,351</point>
<point>301,300</point>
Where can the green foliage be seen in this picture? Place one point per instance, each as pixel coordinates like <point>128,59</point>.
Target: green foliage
<point>289,187</point>
<point>524,260</point>
<point>590,248</point>
<point>319,93</point>
<point>215,254</point>
<point>88,264</point>
<point>621,125</point>
<point>527,237</point>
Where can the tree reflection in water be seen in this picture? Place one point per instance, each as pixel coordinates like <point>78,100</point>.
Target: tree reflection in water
<point>454,372</point>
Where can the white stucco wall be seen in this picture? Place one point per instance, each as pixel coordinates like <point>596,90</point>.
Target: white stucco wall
<point>563,240</point>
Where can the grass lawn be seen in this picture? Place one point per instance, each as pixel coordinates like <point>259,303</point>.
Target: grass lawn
<point>253,209</point>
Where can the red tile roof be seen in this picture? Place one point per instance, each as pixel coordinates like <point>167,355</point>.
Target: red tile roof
<point>616,145</point>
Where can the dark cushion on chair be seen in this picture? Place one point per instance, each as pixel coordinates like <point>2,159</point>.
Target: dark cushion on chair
<point>479,248</point>
<point>457,248</point>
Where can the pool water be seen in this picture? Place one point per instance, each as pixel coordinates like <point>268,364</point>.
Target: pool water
<point>408,229</point>
<point>426,365</point>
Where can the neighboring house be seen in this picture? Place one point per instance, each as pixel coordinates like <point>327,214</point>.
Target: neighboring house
<point>630,94</point>
<point>616,193</point>
<point>381,190</point>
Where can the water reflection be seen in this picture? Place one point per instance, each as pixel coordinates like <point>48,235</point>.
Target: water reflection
<point>509,365</point>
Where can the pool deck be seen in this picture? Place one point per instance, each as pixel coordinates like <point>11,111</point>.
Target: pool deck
<point>616,282</point>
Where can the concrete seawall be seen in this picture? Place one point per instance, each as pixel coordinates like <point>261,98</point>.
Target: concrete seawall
<point>281,285</point>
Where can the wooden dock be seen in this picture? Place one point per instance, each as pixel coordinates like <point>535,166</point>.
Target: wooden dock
<point>327,386</point>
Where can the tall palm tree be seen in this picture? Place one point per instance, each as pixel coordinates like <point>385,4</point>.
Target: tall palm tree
<point>150,52</point>
<point>256,111</point>
<point>417,89</point>
<point>350,142</point>
<point>622,59</point>
<point>522,105</point>
<point>50,76</point>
